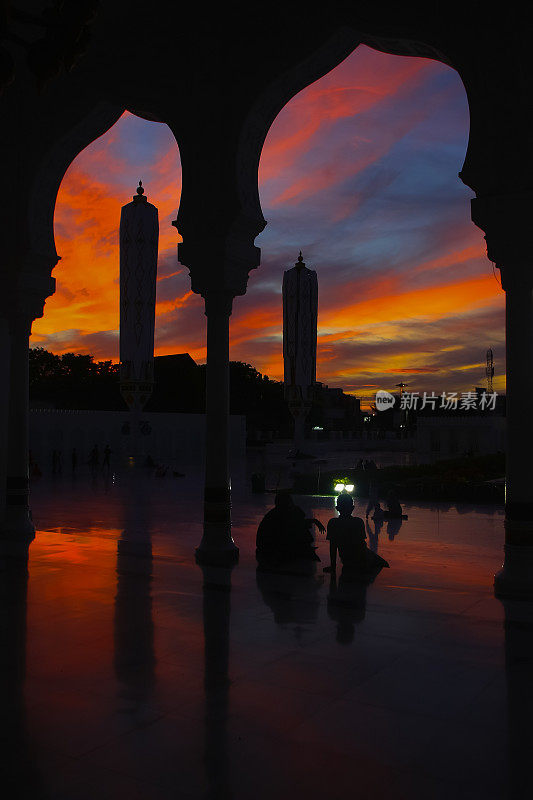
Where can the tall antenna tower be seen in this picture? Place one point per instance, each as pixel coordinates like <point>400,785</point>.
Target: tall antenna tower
<point>489,370</point>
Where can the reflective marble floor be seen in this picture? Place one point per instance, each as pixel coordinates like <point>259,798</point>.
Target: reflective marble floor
<point>130,672</point>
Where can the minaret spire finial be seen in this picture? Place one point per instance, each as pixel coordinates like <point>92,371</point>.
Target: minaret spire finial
<point>140,192</point>
<point>300,263</point>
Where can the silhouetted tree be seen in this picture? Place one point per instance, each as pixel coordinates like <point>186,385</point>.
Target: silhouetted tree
<point>73,381</point>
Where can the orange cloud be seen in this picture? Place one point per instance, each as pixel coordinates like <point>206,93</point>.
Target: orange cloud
<point>428,303</point>
<point>326,102</point>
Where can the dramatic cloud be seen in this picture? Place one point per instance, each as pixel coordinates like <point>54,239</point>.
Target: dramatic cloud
<point>359,170</point>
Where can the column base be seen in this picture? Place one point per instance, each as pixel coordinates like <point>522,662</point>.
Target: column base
<point>515,579</point>
<point>217,548</point>
<point>14,546</point>
<point>17,527</point>
<point>18,523</point>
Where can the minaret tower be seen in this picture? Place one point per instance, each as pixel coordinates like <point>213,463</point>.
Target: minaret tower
<point>300,311</point>
<point>139,235</point>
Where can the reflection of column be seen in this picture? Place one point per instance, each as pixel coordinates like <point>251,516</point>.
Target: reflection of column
<point>133,624</point>
<point>216,614</point>
<point>18,522</point>
<point>217,545</point>
<point>518,661</point>
<point>28,781</point>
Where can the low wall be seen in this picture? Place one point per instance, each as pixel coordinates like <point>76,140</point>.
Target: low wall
<point>175,439</point>
<point>443,437</point>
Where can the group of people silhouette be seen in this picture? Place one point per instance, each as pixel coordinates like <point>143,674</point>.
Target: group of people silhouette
<point>93,461</point>
<point>393,510</point>
<point>284,535</point>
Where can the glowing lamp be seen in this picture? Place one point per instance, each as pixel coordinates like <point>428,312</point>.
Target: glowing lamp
<point>341,486</point>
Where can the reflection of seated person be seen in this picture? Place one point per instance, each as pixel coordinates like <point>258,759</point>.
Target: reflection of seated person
<point>373,535</point>
<point>394,509</point>
<point>393,527</point>
<point>379,513</point>
<point>292,598</point>
<point>284,533</point>
<point>346,605</point>
<point>373,497</point>
<point>347,536</point>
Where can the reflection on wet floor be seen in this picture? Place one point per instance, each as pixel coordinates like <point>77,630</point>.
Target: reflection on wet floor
<point>129,671</point>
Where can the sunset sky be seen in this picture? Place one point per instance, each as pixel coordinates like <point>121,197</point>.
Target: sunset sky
<point>359,171</point>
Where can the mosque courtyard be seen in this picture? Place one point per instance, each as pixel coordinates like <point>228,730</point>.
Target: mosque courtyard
<point>131,672</point>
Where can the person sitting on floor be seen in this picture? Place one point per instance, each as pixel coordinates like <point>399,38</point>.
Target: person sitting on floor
<point>284,533</point>
<point>346,535</point>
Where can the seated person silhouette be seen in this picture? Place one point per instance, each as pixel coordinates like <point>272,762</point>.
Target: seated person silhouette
<point>284,534</point>
<point>346,535</point>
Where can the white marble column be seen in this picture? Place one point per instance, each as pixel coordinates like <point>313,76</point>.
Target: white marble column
<point>217,545</point>
<point>18,524</point>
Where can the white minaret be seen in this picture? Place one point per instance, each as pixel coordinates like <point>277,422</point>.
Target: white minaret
<point>300,311</point>
<point>139,235</point>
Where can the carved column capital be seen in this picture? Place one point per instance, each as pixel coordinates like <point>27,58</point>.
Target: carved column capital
<point>220,259</point>
<point>30,288</point>
<point>506,222</point>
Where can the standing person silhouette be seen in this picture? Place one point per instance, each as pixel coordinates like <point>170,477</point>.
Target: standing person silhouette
<point>94,460</point>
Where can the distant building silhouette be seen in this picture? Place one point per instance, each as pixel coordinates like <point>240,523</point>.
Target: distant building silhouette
<point>178,385</point>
